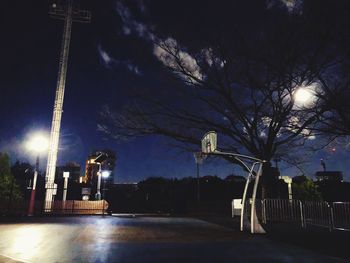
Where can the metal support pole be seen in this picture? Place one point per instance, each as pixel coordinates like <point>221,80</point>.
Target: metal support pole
<point>99,175</point>
<point>255,226</point>
<point>104,189</point>
<point>68,13</point>
<point>32,195</point>
<point>198,184</point>
<point>58,106</point>
<point>331,219</point>
<point>303,221</point>
<point>263,203</point>
<point>65,188</point>
<point>244,197</point>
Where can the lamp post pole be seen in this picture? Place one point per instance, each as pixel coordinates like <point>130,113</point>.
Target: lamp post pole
<point>198,185</point>
<point>105,175</point>
<point>32,195</point>
<point>37,143</point>
<point>99,174</point>
<point>65,186</point>
<point>104,189</point>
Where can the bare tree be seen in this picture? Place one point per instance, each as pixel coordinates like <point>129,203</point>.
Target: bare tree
<point>241,85</point>
<point>335,97</point>
<point>243,91</point>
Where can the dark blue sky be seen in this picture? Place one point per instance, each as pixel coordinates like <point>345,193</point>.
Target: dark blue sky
<point>106,62</point>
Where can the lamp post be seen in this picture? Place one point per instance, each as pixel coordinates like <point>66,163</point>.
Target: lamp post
<point>105,175</point>
<point>99,160</point>
<point>38,143</point>
<point>65,185</point>
<point>99,174</point>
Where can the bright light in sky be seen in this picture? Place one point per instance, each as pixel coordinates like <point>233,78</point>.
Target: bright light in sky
<point>38,142</point>
<point>304,96</point>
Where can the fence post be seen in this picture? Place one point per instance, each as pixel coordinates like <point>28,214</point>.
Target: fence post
<point>73,207</point>
<point>330,217</point>
<point>263,211</point>
<point>303,221</point>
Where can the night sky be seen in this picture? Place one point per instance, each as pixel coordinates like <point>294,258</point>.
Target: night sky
<point>108,59</point>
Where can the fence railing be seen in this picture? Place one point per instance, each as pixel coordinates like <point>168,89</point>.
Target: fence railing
<point>69,207</point>
<point>281,210</point>
<point>75,207</point>
<point>334,215</point>
<point>341,215</point>
<point>317,214</point>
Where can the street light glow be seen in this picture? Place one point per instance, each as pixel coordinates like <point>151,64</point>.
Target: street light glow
<point>105,174</point>
<point>38,143</point>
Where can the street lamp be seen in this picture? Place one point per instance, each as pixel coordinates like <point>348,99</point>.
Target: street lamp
<point>38,143</point>
<point>99,160</point>
<point>105,175</point>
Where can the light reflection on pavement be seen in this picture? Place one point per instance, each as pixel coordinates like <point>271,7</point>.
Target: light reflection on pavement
<point>113,239</point>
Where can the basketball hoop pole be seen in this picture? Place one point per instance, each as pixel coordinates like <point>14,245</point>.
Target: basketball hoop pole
<point>209,146</point>
<point>255,226</point>
<point>198,157</point>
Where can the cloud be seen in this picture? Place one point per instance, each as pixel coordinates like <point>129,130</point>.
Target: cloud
<point>164,52</point>
<point>162,49</point>
<point>292,6</point>
<point>130,25</point>
<point>106,58</point>
<point>132,68</point>
<point>109,61</point>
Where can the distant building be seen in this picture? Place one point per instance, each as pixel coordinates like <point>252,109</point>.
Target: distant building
<point>329,176</point>
<point>92,167</point>
<point>73,168</point>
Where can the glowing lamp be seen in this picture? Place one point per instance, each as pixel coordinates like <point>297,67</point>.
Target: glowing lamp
<point>106,174</point>
<point>38,143</point>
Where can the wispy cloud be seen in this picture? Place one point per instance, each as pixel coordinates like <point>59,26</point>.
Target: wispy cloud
<point>162,48</point>
<point>108,61</point>
<point>106,58</point>
<point>130,25</point>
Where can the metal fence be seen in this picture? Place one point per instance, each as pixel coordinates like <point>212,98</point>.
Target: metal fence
<point>334,215</point>
<point>341,215</point>
<point>69,207</point>
<point>75,207</point>
<point>280,210</point>
<point>317,214</point>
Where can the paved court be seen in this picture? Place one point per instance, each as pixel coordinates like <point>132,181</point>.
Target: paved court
<point>140,239</point>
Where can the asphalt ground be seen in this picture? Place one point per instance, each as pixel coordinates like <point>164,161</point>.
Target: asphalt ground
<point>141,239</point>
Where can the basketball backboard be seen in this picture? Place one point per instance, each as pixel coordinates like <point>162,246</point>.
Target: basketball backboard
<point>209,142</point>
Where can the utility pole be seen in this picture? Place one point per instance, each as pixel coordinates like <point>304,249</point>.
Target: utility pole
<point>62,10</point>
<point>198,157</point>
